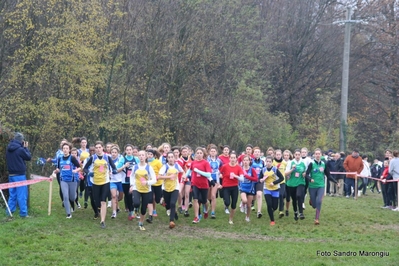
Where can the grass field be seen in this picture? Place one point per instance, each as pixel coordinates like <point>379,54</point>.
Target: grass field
<point>346,225</point>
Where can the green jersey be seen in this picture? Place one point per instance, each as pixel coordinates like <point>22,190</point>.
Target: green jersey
<point>317,174</point>
<point>296,177</point>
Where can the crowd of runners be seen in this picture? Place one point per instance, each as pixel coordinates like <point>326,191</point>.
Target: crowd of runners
<point>178,178</point>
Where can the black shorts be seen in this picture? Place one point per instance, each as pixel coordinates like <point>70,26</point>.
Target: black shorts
<point>157,192</point>
<point>100,193</point>
<point>259,186</point>
<point>200,194</point>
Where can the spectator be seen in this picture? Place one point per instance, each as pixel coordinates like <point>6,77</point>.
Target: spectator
<point>365,174</point>
<point>16,155</point>
<point>376,172</point>
<point>394,172</point>
<point>352,163</point>
<point>337,166</point>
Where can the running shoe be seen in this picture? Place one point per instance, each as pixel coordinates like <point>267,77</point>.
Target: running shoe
<point>272,223</point>
<point>384,207</point>
<point>347,196</point>
<point>95,216</point>
<point>141,227</point>
<point>296,216</point>
<point>252,208</point>
<point>242,207</point>
<point>113,216</point>
<point>78,204</point>
<point>186,214</point>
<point>316,222</point>
<point>205,215</point>
<point>213,216</point>
<point>109,204</point>
<point>301,216</point>
<point>259,215</point>
<point>287,213</point>
<point>168,212</point>
<point>154,213</point>
<point>149,219</point>
<point>281,215</point>
<point>85,205</point>
<point>102,225</point>
<point>190,204</point>
<point>395,210</point>
<point>226,210</point>
<point>172,225</point>
<point>118,210</point>
<point>231,222</point>
<point>247,219</point>
<point>69,216</point>
<point>303,206</point>
<point>180,209</point>
<point>196,220</point>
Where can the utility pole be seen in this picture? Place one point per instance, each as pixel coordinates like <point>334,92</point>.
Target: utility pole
<point>345,78</point>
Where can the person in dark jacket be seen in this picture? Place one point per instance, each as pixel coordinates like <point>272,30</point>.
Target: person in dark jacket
<point>16,155</point>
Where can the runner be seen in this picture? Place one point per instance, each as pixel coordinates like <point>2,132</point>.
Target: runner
<point>185,162</point>
<point>295,173</point>
<point>116,180</point>
<point>306,160</point>
<point>200,177</point>
<point>315,174</point>
<point>141,179</point>
<point>258,164</point>
<point>132,161</point>
<point>169,173</point>
<point>163,150</point>
<point>215,164</point>
<point>287,156</point>
<point>247,187</point>
<point>225,158</point>
<point>156,189</point>
<point>232,173</point>
<point>78,177</point>
<point>280,164</point>
<point>271,177</point>
<point>68,167</point>
<point>101,187</point>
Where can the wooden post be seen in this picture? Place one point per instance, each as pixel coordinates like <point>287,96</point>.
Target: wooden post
<point>50,193</point>
<point>355,189</point>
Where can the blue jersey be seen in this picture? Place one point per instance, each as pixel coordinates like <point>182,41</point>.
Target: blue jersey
<point>248,186</point>
<point>66,167</point>
<point>258,165</point>
<point>215,166</point>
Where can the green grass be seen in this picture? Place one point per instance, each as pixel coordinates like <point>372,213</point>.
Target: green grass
<point>346,225</point>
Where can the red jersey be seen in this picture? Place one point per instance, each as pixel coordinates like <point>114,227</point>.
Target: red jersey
<point>225,159</point>
<point>196,179</point>
<point>226,170</point>
<point>185,164</point>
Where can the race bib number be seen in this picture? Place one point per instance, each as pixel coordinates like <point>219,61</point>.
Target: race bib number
<point>321,169</point>
<point>128,172</point>
<point>101,169</point>
<point>296,174</point>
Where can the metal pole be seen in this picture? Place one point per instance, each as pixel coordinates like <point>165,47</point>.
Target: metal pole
<point>345,78</point>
